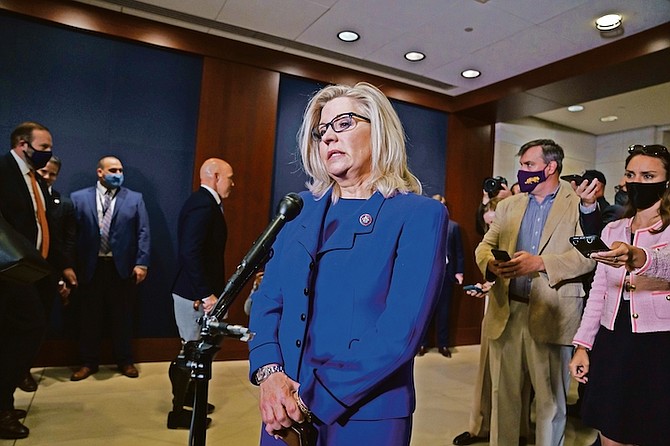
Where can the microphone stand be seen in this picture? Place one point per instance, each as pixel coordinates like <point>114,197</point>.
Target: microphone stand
<point>198,355</point>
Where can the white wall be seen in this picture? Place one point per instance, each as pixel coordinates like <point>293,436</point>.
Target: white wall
<point>612,150</point>
<point>606,153</point>
<point>579,148</point>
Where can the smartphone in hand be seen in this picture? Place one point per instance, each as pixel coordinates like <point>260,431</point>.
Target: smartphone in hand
<point>500,255</point>
<point>472,288</point>
<point>578,179</point>
<point>588,244</point>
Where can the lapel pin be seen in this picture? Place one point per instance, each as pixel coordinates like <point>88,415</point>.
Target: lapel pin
<point>365,219</point>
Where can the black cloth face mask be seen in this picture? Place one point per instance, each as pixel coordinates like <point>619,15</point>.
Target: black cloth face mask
<point>645,195</point>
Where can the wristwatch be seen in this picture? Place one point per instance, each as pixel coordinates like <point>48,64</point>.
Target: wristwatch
<point>264,372</point>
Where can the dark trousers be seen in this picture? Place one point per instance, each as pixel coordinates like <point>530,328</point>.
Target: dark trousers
<point>107,305</point>
<point>441,317</point>
<point>22,327</point>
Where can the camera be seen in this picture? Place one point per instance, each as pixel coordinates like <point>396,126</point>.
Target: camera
<point>493,184</point>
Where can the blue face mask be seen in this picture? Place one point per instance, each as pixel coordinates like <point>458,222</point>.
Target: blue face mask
<point>113,180</point>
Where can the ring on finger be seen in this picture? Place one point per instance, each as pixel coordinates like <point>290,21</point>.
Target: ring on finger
<point>616,259</point>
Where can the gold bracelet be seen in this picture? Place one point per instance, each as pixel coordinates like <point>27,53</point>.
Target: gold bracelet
<point>303,407</point>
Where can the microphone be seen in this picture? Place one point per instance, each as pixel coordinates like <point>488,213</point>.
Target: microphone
<point>289,207</point>
<point>237,331</point>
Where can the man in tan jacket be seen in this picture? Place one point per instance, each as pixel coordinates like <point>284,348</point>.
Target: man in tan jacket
<point>536,301</point>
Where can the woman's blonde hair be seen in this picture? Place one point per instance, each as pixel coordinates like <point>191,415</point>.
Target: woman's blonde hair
<point>389,173</point>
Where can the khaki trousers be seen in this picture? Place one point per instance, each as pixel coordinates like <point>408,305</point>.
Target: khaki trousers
<point>480,414</point>
<point>510,356</point>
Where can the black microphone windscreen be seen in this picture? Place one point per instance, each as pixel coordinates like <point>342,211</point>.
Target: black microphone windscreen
<point>290,206</point>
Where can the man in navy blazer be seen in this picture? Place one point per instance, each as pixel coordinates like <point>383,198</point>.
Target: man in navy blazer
<point>200,280</point>
<point>112,259</point>
<point>22,314</point>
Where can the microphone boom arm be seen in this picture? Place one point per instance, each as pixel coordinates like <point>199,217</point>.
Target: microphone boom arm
<point>259,254</point>
<point>261,251</point>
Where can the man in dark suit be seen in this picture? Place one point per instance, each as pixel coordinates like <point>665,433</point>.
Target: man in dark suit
<point>200,277</point>
<point>22,314</point>
<point>113,246</point>
<point>454,274</point>
<point>62,233</point>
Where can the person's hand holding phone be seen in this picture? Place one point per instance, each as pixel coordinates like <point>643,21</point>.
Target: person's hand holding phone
<point>478,290</point>
<point>521,264</point>
<point>622,254</point>
<point>497,265</point>
<point>587,191</point>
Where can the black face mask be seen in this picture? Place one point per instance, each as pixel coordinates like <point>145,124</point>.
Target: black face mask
<point>37,158</point>
<point>645,195</point>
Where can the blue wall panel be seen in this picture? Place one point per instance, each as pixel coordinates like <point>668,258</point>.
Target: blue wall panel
<point>102,96</point>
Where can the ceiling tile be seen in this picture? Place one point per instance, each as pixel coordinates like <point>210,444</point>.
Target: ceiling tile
<point>534,12</point>
<point>287,19</point>
<point>208,9</point>
<point>539,47</point>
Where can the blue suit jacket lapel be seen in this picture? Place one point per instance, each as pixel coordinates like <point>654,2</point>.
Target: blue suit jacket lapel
<point>344,237</point>
<point>121,196</point>
<point>91,206</point>
<point>310,224</point>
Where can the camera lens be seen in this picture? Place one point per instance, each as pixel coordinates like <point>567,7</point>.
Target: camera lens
<point>491,185</point>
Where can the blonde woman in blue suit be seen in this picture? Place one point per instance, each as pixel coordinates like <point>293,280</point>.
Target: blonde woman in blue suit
<point>353,281</point>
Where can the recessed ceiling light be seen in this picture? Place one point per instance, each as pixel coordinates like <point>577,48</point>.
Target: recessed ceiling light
<point>610,118</point>
<point>471,73</point>
<point>414,56</point>
<point>608,22</point>
<point>575,108</point>
<point>348,36</point>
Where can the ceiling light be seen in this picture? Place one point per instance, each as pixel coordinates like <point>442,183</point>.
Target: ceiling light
<point>608,22</point>
<point>575,108</point>
<point>610,118</point>
<point>348,36</point>
<point>414,56</point>
<point>471,73</point>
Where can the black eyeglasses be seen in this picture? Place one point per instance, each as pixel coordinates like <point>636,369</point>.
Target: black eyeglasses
<point>340,123</point>
<point>651,149</point>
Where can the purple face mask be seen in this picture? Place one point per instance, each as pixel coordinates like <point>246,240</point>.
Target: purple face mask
<point>528,181</point>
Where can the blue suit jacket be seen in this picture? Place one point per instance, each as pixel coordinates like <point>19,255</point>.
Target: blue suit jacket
<point>346,319</point>
<point>129,233</point>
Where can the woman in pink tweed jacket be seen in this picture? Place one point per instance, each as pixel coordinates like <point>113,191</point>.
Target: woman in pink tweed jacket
<point>623,342</point>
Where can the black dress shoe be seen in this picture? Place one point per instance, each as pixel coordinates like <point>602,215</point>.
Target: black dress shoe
<point>27,383</point>
<point>19,413</point>
<point>468,438</point>
<point>445,352</point>
<point>181,419</point>
<point>10,427</point>
<point>422,351</point>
